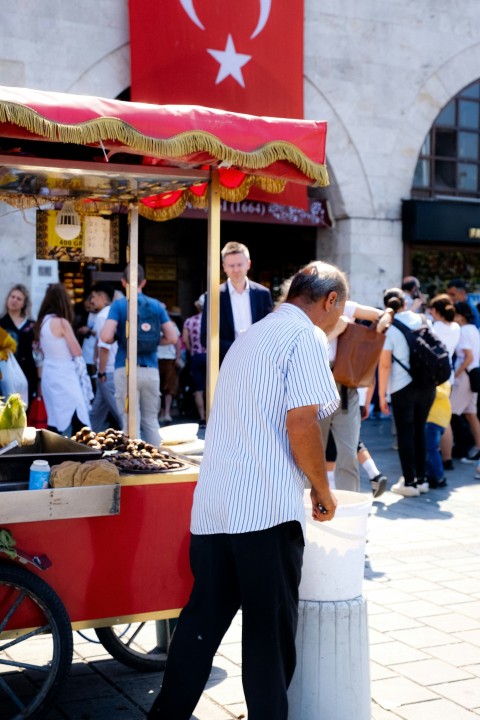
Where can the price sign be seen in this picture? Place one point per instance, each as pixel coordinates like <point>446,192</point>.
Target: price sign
<point>96,237</point>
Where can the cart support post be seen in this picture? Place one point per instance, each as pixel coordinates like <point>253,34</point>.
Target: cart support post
<point>213,287</point>
<point>131,326</point>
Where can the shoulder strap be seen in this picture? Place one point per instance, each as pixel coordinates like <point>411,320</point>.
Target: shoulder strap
<point>408,334</point>
<point>402,327</point>
<point>408,370</point>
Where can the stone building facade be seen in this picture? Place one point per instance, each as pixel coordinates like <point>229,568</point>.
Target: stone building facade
<point>379,71</point>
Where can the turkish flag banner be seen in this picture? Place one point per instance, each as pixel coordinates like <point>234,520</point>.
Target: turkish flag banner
<point>241,56</point>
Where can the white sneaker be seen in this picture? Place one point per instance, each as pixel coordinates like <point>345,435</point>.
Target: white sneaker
<point>406,490</point>
<point>423,487</point>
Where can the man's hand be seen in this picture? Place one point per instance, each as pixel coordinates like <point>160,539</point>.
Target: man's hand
<point>385,321</point>
<point>323,505</point>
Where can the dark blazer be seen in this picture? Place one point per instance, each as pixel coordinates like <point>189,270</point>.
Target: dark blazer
<point>260,303</point>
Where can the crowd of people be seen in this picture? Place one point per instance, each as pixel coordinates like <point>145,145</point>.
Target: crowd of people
<point>78,367</point>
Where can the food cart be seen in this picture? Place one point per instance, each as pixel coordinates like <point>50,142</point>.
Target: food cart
<point>119,554</point>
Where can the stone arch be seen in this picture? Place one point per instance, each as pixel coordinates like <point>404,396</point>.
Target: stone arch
<point>350,191</point>
<point>442,85</point>
<point>107,77</point>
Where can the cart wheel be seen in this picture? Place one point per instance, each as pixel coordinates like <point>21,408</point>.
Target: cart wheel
<point>29,686</point>
<point>128,644</point>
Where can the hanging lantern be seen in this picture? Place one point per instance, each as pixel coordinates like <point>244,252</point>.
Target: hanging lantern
<point>68,224</point>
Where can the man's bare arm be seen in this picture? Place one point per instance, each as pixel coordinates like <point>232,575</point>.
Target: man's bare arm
<point>107,333</point>
<point>307,448</point>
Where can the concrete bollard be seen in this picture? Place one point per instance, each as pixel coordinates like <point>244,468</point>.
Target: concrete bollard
<point>332,677</point>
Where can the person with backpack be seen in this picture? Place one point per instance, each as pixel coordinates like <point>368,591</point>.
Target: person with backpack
<point>442,312</point>
<point>411,399</point>
<point>467,357</point>
<point>154,328</point>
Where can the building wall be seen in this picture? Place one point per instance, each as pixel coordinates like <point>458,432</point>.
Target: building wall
<point>378,71</point>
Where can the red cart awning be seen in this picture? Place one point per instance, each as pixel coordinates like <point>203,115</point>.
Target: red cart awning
<point>180,143</point>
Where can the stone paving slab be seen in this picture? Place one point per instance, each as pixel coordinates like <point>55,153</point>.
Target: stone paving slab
<point>435,710</point>
<point>395,692</point>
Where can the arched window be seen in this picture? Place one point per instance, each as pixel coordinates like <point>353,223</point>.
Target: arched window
<point>449,161</point>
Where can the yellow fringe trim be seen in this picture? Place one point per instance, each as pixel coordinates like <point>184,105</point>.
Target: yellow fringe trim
<point>178,146</point>
<point>27,202</point>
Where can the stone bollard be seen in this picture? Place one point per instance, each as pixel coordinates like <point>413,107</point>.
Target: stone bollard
<point>332,677</point>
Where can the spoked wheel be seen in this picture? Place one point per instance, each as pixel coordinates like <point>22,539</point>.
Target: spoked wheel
<point>135,645</point>
<point>31,673</point>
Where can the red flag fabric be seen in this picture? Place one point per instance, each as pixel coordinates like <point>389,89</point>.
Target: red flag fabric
<point>246,57</point>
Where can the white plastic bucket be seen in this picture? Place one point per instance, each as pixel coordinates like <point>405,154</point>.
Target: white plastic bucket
<point>334,557</point>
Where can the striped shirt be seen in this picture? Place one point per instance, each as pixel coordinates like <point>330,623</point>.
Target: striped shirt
<point>248,478</point>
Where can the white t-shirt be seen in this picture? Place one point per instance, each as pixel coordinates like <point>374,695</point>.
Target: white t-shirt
<point>88,345</point>
<point>396,342</point>
<point>449,334</point>
<point>112,348</point>
<point>469,340</point>
<point>168,352</point>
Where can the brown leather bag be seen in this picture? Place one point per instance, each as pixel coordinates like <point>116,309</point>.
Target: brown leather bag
<point>358,353</point>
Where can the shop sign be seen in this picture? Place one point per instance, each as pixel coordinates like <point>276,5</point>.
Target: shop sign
<point>96,237</point>
<point>99,239</point>
<point>436,222</point>
<point>317,215</point>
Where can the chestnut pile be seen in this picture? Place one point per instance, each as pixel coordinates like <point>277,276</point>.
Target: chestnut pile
<point>126,454</point>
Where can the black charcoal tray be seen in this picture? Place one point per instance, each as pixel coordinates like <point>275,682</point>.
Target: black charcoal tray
<point>15,464</point>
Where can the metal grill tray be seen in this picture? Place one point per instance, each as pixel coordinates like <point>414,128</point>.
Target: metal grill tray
<point>149,470</point>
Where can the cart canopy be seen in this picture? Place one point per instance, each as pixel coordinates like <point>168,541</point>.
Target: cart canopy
<point>54,144</point>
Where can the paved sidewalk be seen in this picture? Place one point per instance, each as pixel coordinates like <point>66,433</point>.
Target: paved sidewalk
<point>423,589</point>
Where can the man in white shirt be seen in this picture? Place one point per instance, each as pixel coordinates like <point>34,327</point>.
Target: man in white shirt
<point>263,442</point>
<point>101,297</point>
<point>242,301</point>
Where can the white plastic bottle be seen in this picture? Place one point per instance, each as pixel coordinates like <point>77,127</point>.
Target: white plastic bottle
<point>39,475</point>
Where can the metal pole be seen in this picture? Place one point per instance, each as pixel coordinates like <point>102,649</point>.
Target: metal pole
<point>213,287</point>
<point>131,326</point>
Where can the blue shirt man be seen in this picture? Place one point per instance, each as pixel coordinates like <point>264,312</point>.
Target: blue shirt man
<point>457,291</point>
<point>148,378</point>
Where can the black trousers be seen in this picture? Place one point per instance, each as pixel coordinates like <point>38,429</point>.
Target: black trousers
<point>410,407</point>
<point>259,571</point>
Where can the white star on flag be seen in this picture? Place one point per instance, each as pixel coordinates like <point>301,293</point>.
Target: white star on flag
<point>230,61</point>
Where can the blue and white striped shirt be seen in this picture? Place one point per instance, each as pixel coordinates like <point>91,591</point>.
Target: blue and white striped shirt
<point>248,478</point>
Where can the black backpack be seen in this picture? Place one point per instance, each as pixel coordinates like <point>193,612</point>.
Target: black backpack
<point>429,359</point>
<point>148,326</point>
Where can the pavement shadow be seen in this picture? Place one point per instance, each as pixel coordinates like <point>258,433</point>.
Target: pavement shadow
<point>426,507</point>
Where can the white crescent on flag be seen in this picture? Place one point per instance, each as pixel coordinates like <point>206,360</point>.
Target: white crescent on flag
<point>265,7</point>
<point>192,13</point>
